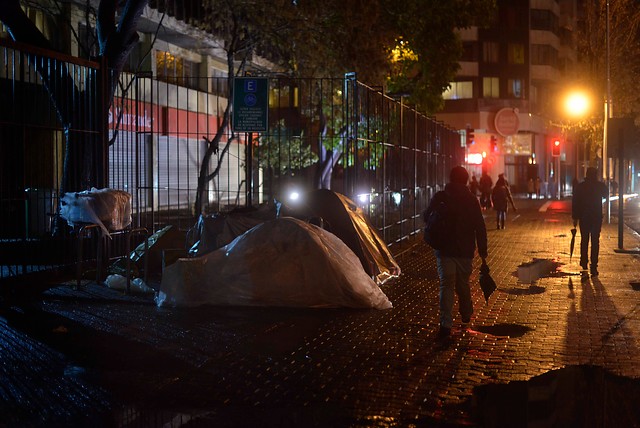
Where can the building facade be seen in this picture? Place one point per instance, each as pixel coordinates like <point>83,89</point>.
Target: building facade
<point>505,95</point>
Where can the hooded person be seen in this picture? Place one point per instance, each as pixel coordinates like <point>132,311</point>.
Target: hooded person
<point>455,258</point>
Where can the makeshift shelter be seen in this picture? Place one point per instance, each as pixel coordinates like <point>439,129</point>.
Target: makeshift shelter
<point>342,217</point>
<point>285,262</point>
<point>215,231</point>
<point>337,213</point>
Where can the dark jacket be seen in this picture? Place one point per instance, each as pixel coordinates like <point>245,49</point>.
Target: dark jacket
<point>485,184</point>
<point>501,196</point>
<point>586,204</point>
<point>469,227</point>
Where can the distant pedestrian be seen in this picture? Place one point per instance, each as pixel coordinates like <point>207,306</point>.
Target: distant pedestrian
<point>474,186</point>
<point>530,188</point>
<point>586,208</point>
<point>455,259</point>
<point>537,184</point>
<point>552,189</point>
<point>501,197</point>
<point>485,185</point>
<point>614,187</point>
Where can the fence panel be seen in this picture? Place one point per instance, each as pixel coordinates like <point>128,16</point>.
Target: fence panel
<point>323,133</point>
<point>47,105</point>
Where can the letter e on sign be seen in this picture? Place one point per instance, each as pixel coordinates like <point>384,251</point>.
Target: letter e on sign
<point>250,85</point>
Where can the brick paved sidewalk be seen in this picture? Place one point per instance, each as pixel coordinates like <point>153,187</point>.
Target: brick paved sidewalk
<point>94,357</point>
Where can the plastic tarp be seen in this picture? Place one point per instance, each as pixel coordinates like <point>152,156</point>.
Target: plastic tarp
<point>339,215</point>
<point>346,220</point>
<point>285,262</point>
<point>217,230</point>
<point>110,209</point>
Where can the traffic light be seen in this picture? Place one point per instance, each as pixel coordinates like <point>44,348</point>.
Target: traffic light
<point>470,137</point>
<point>494,143</point>
<point>555,147</point>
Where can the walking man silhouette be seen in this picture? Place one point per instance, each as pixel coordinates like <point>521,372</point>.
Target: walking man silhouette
<point>586,209</point>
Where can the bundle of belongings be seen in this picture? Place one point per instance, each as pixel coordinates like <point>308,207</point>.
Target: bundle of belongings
<point>110,209</point>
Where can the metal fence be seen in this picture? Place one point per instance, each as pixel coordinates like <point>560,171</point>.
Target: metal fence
<point>331,133</point>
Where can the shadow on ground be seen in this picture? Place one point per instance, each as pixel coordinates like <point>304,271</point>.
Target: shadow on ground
<point>575,396</point>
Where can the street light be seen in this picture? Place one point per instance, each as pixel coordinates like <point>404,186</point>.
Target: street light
<point>577,104</point>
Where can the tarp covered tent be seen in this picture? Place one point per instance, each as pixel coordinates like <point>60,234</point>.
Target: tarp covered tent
<point>342,217</point>
<point>339,215</point>
<point>285,262</point>
<point>217,230</point>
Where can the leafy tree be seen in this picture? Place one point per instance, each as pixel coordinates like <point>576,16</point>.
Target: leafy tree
<point>623,62</point>
<point>331,38</point>
<point>240,27</point>
<point>429,45</point>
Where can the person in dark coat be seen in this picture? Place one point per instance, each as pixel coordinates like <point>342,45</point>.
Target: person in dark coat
<point>455,259</point>
<point>586,209</point>
<point>474,186</point>
<point>485,185</point>
<point>501,198</point>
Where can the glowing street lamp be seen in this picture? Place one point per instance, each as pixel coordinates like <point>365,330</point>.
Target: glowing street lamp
<point>577,104</point>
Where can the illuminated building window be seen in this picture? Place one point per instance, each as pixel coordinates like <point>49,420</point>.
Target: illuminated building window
<point>515,88</point>
<point>458,91</point>
<point>490,87</point>
<point>176,70</point>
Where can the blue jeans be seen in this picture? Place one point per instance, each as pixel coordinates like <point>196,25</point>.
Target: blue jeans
<point>454,273</point>
<point>501,217</point>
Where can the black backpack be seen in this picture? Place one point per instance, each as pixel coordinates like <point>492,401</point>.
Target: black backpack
<point>438,222</point>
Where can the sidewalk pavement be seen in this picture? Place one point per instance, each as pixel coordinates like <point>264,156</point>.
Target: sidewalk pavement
<point>97,358</point>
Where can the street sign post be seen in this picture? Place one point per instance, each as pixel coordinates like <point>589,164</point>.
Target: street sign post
<point>250,104</point>
<point>623,132</point>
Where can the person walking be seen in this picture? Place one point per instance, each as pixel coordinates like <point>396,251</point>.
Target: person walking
<point>485,185</point>
<point>473,186</point>
<point>586,209</point>
<point>454,259</point>
<point>501,198</point>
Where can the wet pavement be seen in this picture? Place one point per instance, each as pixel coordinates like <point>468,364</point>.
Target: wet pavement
<point>94,357</point>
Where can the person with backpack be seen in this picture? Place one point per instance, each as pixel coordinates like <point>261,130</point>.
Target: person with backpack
<point>456,211</point>
<point>501,197</point>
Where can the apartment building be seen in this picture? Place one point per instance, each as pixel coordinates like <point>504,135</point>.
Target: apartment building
<point>504,98</point>
<point>169,103</point>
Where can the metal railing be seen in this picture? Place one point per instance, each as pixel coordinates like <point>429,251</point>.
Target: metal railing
<point>331,133</point>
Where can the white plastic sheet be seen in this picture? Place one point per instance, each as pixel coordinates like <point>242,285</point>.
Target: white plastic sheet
<point>108,208</point>
<point>284,262</point>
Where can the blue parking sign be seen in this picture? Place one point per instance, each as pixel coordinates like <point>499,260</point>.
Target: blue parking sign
<point>250,104</point>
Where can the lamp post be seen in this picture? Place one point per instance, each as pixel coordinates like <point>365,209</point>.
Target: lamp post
<point>607,116</point>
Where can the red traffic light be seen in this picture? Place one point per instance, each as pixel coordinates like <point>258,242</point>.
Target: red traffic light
<point>555,147</point>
